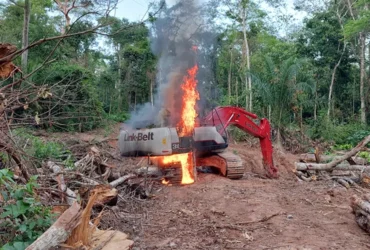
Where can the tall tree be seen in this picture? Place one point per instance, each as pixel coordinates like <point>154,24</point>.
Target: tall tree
<point>280,85</point>
<point>359,15</point>
<point>322,42</point>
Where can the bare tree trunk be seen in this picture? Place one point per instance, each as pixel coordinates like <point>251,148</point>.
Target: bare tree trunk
<point>229,75</point>
<point>301,118</point>
<point>315,105</point>
<point>119,85</point>
<point>236,92</point>
<point>362,77</point>
<point>135,102</point>
<point>333,81</point>
<point>151,89</point>
<point>66,7</point>
<point>26,25</point>
<point>248,80</point>
<point>269,112</point>
<point>353,97</point>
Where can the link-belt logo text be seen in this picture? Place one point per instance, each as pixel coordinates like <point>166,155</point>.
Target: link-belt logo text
<point>139,137</point>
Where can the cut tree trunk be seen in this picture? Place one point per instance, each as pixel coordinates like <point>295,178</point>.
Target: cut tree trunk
<point>361,209</point>
<point>106,195</point>
<point>60,230</point>
<point>300,166</point>
<point>333,164</point>
<point>311,158</point>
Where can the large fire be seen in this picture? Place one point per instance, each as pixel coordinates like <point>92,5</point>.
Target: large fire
<point>186,125</point>
<point>189,99</point>
<point>186,165</point>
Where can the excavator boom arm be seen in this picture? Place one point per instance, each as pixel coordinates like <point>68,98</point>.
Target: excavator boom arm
<point>222,117</point>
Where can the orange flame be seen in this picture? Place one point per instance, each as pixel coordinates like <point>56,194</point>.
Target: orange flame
<point>186,125</point>
<point>165,182</point>
<point>186,166</point>
<point>190,97</point>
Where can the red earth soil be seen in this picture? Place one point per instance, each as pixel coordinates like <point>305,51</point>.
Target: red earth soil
<point>250,213</point>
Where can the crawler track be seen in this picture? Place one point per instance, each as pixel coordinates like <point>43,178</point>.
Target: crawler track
<point>235,168</point>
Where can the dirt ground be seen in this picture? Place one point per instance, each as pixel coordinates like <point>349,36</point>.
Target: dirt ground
<point>250,213</point>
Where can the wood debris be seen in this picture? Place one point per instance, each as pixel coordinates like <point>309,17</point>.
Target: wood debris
<point>361,209</point>
<point>347,169</point>
<point>60,230</point>
<point>7,68</point>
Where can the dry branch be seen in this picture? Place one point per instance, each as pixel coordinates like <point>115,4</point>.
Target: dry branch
<point>71,196</point>
<point>264,219</point>
<point>60,230</point>
<point>121,180</point>
<point>11,151</point>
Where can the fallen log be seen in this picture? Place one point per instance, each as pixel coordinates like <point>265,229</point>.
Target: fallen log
<point>360,203</point>
<point>70,195</point>
<point>121,180</point>
<point>346,156</point>
<point>300,166</point>
<point>361,209</point>
<point>311,158</point>
<point>349,154</point>
<point>60,230</point>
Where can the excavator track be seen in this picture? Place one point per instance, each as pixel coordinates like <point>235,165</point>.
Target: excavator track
<point>229,164</point>
<point>173,174</point>
<point>235,168</point>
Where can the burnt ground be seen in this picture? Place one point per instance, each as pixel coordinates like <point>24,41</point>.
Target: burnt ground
<point>250,213</point>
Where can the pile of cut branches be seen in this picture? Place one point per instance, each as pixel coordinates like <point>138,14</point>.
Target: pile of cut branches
<point>347,169</point>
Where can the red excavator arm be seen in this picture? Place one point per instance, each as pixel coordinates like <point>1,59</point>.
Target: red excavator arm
<point>222,117</point>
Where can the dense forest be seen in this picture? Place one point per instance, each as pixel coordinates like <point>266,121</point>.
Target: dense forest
<point>74,66</point>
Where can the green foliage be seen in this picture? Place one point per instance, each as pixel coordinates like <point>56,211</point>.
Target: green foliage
<point>345,136</point>
<point>365,155</point>
<point>353,27</point>
<point>44,150</point>
<point>23,217</point>
<point>120,117</point>
<point>343,146</point>
<point>283,87</point>
<point>80,109</point>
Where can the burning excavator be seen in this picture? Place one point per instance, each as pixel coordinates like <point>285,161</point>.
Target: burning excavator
<point>178,151</point>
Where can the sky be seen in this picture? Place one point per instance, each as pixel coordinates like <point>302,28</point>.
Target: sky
<point>134,10</point>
